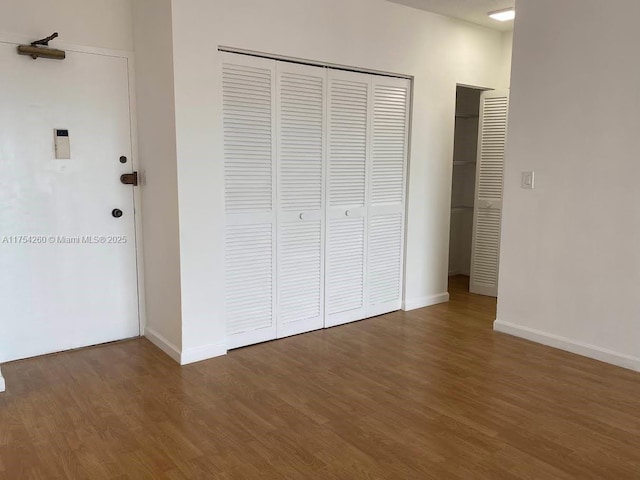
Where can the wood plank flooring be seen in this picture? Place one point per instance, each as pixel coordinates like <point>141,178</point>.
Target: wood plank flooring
<point>428,394</point>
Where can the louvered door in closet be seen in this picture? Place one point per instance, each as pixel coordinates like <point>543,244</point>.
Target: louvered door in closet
<point>348,132</point>
<point>249,119</point>
<point>485,250</point>
<point>315,173</point>
<point>367,153</point>
<point>386,204</point>
<point>300,103</point>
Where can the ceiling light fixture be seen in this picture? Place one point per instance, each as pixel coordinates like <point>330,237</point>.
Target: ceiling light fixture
<point>503,15</point>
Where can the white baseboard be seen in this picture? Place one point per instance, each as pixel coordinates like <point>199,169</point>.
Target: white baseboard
<point>186,357</point>
<point>205,352</point>
<point>415,303</point>
<point>2,385</point>
<point>162,343</point>
<point>464,273</point>
<point>562,343</point>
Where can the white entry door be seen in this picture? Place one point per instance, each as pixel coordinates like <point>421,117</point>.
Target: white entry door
<point>68,274</point>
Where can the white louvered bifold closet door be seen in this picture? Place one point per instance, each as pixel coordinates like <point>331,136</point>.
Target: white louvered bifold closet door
<point>389,137</point>
<point>301,155</point>
<point>485,256</point>
<point>315,165</point>
<point>249,119</point>
<point>347,180</point>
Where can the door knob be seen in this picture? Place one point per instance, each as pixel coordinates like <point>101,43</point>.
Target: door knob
<point>301,216</point>
<point>347,213</point>
<point>116,213</point>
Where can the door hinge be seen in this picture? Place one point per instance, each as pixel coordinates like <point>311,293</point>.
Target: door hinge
<point>130,179</point>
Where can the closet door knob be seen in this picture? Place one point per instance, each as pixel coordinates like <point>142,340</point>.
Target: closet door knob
<point>301,216</point>
<point>347,213</point>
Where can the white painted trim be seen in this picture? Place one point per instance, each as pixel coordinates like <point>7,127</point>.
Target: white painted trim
<point>192,355</point>
<point>456,273</point>
<point>415,303</point>
<point>405,206</point>
<point>163,344</point>
<point>566,344</point>
<point>137,196</point>
<point>198,354</point>
<point>2,384</point>
<point>6,37</point>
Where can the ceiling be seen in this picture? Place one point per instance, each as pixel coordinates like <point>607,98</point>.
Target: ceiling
<point>474,11</point>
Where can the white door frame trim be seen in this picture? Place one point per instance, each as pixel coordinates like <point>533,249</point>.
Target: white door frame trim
<point>129,56</point>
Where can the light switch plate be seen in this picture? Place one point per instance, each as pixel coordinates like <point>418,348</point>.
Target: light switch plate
<point>528,180</point>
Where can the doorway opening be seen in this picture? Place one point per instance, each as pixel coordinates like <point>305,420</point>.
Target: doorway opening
<point>465,154</point>
<point>476,198</point>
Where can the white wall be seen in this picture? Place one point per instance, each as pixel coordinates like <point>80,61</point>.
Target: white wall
<point>95,23</point>
<point>371,34</point>
<point>570,262</point>
<point>159,187</point>
<point>507,53</point>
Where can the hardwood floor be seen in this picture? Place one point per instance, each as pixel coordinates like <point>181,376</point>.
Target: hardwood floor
<point>428,394</point>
